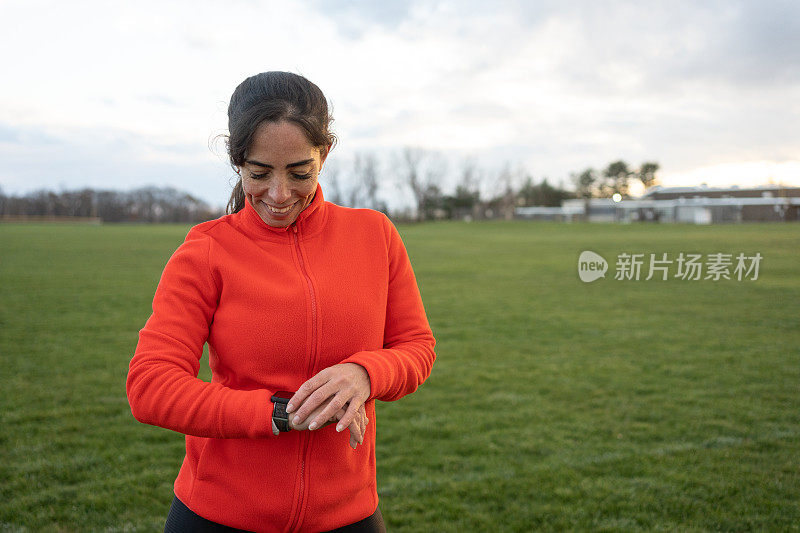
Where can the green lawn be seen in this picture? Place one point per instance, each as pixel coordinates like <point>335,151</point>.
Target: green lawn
<point>554,404</point>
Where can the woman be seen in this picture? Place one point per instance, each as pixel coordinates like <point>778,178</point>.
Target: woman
<point>311,312</point>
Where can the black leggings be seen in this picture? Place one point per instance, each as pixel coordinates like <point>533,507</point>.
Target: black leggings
<point>181,519</point>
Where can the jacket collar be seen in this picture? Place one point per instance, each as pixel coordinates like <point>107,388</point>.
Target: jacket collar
<point>309,222</point>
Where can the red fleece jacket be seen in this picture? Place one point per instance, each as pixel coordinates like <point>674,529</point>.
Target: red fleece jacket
<point>276,306</point>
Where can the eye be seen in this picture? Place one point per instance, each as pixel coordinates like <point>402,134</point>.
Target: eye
<point>259,176</point>
<point>302,176</point>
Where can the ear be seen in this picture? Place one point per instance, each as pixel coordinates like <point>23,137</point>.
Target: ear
<point>323,154</point>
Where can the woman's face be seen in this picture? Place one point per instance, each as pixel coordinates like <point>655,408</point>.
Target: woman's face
<point>279,176</point>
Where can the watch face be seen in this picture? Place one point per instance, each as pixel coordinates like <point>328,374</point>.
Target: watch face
<point>282,395</point>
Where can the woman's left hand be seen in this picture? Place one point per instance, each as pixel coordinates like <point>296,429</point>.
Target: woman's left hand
<point>358,427</point>
<point>346,386</point>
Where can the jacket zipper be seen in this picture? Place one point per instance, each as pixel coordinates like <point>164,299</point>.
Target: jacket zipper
<point>312,361</point>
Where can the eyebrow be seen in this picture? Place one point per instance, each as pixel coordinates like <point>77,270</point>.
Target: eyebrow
<point>290,165</point>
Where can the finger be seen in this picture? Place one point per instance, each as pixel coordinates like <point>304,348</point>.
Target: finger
<point>304,425</point>
<point>355,432</point>
<point>363,426</point>
<point>358,428</point>
<point>347,419</point>
<point>361,429</point>
<point>360,423</point>
<point>357,425</point>
<point>305,390</point>
<point>312,402</point>
<point>335,404</point>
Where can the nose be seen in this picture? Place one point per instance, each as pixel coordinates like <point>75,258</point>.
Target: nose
<point>279,191</point>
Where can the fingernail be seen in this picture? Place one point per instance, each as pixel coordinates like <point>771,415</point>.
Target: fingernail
<point>313,426</point>
<point>296,420</point>
<point>289,408</point>
<point>339,428</point>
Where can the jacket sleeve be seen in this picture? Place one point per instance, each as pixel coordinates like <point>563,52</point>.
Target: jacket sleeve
<point>163,387</point>
<point>407,355</point>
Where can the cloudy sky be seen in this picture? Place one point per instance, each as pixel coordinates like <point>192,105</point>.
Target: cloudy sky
<point>112,94</point>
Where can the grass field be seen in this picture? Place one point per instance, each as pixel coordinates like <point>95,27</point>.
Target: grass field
<point>554,404</point>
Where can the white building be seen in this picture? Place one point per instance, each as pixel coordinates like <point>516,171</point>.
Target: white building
<point>693,205</point>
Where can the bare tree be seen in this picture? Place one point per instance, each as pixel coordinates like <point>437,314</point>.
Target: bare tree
<point>470,179</point>
<point>423,172</point>
<point>506,199</point>
<point>332,186</point>
<point>365,171</point>
<point>466,200</point>
<point>410,174</point>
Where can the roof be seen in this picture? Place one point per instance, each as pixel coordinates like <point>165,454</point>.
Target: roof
<point>658,189</point>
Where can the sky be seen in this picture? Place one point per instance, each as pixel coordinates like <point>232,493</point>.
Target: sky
<point>118,95</point>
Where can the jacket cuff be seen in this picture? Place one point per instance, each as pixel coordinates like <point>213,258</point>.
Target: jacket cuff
<point>256,421</point>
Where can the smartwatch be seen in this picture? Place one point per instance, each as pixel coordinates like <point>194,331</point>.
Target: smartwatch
<point>279,414</point>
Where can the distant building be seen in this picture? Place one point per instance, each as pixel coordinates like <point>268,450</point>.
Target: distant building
<point>694,205</point>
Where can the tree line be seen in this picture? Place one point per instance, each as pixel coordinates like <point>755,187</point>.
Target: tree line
<point>616,178</point>
<point>477,193</point>
<point>146,204</point>
<point>472,193</point>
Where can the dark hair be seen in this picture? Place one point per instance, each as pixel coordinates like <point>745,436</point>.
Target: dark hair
<point>273,97</point>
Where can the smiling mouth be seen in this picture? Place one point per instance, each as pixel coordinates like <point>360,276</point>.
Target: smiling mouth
<point>279,211</point>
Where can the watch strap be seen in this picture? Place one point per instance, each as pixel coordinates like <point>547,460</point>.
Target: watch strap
<point>281,417</point>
